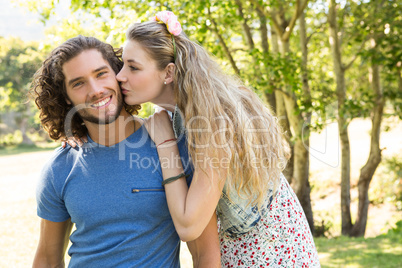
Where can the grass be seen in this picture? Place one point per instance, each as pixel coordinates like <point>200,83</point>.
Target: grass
<point>383,251</point>
<point>19,149</point>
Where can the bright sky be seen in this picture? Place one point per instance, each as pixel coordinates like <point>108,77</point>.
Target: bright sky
<point>17,21</point>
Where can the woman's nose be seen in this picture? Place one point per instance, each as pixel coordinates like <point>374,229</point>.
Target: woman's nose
<point>120,77</point>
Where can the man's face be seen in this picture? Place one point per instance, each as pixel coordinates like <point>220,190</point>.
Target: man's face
<point>92,87</point>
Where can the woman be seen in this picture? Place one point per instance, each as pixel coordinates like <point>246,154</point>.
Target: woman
<point>235,143</point>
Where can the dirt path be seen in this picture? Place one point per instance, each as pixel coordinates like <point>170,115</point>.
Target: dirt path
<point>19,223</point>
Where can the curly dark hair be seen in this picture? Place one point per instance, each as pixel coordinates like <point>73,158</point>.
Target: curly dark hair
<point>49,88</point>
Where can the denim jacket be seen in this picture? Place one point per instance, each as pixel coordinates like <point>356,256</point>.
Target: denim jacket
<point>235,215</point>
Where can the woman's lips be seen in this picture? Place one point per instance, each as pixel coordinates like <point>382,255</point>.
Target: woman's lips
<point>123,90</point>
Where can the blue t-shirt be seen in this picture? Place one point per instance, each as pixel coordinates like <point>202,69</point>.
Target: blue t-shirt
<point>115,198</point>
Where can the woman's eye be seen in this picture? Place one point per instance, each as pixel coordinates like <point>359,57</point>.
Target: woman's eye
<point>132,68</point>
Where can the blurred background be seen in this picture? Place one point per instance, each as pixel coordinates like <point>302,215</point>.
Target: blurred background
<point>330,70</point>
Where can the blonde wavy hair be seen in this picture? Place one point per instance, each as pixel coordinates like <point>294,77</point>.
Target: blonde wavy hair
<point>224,119</point>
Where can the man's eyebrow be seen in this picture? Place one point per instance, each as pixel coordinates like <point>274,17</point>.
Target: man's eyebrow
<point>100,68</point>
<point>72,81</point>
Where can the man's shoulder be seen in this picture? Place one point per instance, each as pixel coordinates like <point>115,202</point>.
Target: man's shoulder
<point>61,153</point>
<point>56,170</point>
<point>62,158</point>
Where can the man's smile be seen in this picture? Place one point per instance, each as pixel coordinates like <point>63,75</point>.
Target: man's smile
<point>102,103</point>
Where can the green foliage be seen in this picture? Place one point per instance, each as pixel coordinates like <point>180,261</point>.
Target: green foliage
<point>18,62</point>
<point>395,233</point>
<point>322,225</point>
<point>11,139</point>
<point>147,109</point>
<point>383,20</point>
<point>387,184</point>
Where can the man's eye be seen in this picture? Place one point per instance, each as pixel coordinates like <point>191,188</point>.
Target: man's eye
<point>101,73</point>
<point>77,84</point>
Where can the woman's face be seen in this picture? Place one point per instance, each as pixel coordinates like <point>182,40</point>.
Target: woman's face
<point>141,80</point>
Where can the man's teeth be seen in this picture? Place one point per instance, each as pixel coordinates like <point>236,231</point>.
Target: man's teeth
<point>101,103</point>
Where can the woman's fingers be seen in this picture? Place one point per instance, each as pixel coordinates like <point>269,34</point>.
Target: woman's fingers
<point>74,141</point>
<point>78,141</point>
<point>159,127</point>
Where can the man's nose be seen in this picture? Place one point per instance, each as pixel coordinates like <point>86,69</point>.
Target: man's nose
<point>95,88</point>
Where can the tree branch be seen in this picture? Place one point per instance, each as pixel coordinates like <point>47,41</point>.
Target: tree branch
<point>269,14</point>
<point>225,47</point>
<point>246,28</point>
<point>317,31</point>
<point>263,31</point>
<point>284,93</point>
<point>311,35</point>
<point>347,66</point>
<point>292,23</point>
<point>298,10</point>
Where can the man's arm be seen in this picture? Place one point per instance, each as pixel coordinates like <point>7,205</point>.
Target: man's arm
<point>205,250</point>
<point>53,241</point>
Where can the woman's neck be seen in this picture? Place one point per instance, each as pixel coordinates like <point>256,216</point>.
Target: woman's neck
<point>167,99</point>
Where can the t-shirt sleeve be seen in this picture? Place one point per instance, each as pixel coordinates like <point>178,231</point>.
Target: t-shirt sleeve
<point>50,205</point>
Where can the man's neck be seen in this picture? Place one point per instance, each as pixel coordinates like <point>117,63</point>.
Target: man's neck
<point>113,133</point>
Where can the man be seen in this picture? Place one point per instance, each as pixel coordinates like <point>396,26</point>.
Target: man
<point>109,188</point>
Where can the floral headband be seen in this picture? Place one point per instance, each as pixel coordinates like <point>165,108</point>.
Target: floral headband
<point>172,25</point>
<point>170,19</point>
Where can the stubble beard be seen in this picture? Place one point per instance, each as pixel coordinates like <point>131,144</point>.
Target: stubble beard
<point>86,116</point>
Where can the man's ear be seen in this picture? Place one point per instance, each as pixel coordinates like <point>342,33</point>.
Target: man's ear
<point>169,77</point>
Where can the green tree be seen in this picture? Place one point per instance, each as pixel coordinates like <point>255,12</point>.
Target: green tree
<point>18,63</point>
<point>364,27</point>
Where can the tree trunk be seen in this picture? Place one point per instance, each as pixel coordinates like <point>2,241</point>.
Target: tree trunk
<point>304,50</point>
<point>281,113</point>
<point>300,172</point>
<point>23,124</point>
<point>305,198</point>
<point>342,119</point>
<point>297,171</point>
<point>246,28</point>
<point>374,159</point>
<point>23,127</point>
<point>301,164</point>
<point>345,172</point>
<point>270,96</point>
<point>275,41</point>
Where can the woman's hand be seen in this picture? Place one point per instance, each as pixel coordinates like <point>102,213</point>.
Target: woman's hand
<point>159,127</point>
<point>74,141</point>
